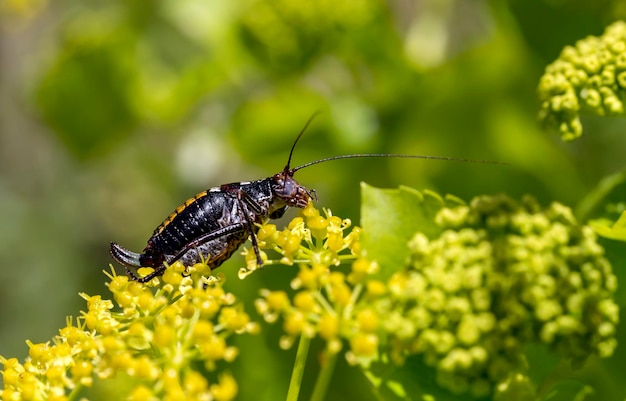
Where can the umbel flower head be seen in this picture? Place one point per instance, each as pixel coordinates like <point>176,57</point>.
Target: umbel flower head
<point>588,77</point>
<point>327,300</point>
<point>501,275</point>
<point>168,340</point>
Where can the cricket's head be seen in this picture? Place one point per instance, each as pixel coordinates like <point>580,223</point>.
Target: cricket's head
<point>287,189</point>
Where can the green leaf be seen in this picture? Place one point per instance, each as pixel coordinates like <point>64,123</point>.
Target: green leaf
<point>391,217</point>
<point>600,195</point>
<point>607,229</point>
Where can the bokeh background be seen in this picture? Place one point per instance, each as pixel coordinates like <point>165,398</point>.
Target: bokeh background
<point>114,112</point>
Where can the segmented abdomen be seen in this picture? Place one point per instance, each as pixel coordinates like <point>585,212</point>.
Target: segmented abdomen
<point>197,216</point>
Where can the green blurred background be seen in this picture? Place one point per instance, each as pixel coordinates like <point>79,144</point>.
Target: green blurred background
<point>114,112</point>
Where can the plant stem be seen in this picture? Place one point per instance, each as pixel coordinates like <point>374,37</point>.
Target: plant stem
<point>599,194</point>
<point>323,380</point>
<point>298,368</point>
<point>75,392</point>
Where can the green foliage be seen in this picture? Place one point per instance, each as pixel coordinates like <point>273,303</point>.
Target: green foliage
<point>613,230</point>
<point>80,96</point>
<point>289,36</point>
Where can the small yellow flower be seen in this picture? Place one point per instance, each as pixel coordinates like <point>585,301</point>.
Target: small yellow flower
<point>233,319</point>
<point>213,349</point>
<point>328,326</point>
<point>164,335</point>
<point>367,320</point>
<point>306,302</point>
<point>363,345</point>
<point>289,241</point>
<point>202,331</point>
<point>318,226</point>
<point>39,353</point>
<point>122,361</point>
<point>145,271</point>
<point>82,370</point>
<point>140,333</point>
<point>226,389</point>
<point>340,294</point>
<point>362,269</point>
<point>172,384</point>
<point>195,385</point>
<point>309,277</point>
<point>118,283</point>
<point>375,288</point>
<point>277,300</point>
<point>295,323</point>
<point>267,232</point>
<point>173,274</point>
<point>145,368</point>
<point>142,393</point>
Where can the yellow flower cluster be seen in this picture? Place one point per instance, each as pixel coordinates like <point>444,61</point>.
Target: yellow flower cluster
<point>327,302</point>
<point>157,336</point>
<point>310,238</point>
<point>502,274</point>
<point>590,76</point>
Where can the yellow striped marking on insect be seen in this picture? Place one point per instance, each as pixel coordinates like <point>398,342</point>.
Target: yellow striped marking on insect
<point>178,210</point>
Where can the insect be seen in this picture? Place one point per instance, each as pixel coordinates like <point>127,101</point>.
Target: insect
<point>213,224</point>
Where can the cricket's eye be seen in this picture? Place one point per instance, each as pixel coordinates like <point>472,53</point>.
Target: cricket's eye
<point>289,188</point>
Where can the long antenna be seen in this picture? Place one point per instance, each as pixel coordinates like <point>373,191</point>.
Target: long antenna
<point>354,156</point>
<point>298,138</point>
<point>359,155</point>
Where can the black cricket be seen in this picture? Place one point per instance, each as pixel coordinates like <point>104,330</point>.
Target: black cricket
<point>212,225</point>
